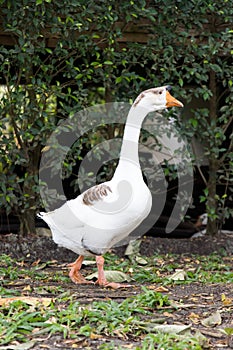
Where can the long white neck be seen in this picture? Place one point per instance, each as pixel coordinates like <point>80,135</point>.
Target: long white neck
<point>129,161</point>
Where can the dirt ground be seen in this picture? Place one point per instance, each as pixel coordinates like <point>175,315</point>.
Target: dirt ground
<point>205,299</point>
<point>43,248</point>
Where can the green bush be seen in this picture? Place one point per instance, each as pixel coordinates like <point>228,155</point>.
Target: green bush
<point>63,58</point>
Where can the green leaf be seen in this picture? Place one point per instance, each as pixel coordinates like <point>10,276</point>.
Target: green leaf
<point>194,122</point>
<point>227,330</point>
<point>94,64</point>
<point>181,82</point>
<point>118,80</point>
<point>79,76</point>
<point>109,63</point>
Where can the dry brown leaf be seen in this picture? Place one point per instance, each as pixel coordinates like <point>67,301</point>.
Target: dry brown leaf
<point>194,317</point>
<point>226,301</point>
<point>194,299</point>
<point>28,300</point>
<point>94,336</point>
<point>161,289</point>
<point>119,334</point>
<point>27,288</point>
<point>35,263</point>
<point>158,289</point>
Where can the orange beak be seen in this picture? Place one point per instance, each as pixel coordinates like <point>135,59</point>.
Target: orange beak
<point>171,101</point>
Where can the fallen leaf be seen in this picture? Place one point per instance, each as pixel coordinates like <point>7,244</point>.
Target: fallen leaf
<point>27,288</point>
<point>161,289</point>
<point>212,333</point>
<point>179,275</point>
<point>129,346</point>
<point>141,261</point>
<point>94,336</point>
<point>24,346</point>
<point>51,320</point>
<point>226,301</point>
<point>28,300</point>
<point>119,334</point>
<point>194,317</point>
<point>213,320</point>
<point>158,289</point>
<point>36,263</point>
<point>178,305</point>
<point>187,259</point>
<point>133,247</point>
<point>172,329</point>
<point>111,276</point>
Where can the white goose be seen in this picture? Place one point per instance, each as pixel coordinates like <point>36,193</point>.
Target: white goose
<point>107,213</point>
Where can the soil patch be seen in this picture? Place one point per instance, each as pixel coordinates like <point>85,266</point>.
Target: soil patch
<point>43,248</point>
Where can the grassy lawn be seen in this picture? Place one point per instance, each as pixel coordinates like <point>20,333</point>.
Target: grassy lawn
<point>175,302</point>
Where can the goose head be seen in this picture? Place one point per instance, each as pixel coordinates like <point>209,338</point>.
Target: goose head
<point>156,99</point>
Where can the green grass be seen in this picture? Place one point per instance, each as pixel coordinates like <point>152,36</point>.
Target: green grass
<point>159,341</point>
<point>19,321</point>
<point>207,269</point>
<point>133,318</point>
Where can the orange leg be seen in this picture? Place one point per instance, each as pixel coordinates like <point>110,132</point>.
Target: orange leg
<point>102,279</point>
<point>75,274</point>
